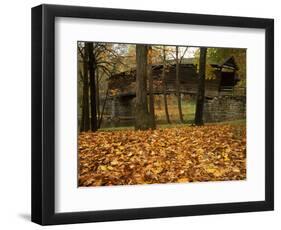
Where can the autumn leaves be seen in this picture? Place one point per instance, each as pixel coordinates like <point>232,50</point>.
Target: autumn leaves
<point>145,153</point>
<point>180,154</point>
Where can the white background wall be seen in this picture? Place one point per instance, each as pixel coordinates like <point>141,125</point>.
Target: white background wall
<point>15,117</point>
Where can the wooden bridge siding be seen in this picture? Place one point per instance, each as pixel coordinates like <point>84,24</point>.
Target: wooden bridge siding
<point>188,83</point>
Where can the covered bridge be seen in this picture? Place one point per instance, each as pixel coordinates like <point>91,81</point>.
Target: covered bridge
<point>122,86</point>
<point>223,80</point>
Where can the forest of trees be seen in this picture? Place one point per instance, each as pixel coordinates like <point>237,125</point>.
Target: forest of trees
<point>99,61</point>
<point>165,141</point>
<point>96,60</point>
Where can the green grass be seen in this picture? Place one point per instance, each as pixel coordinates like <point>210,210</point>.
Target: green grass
<point>188,109</point>
<point>116,128</point>
<point>177,125</point>
<point>234,122</point>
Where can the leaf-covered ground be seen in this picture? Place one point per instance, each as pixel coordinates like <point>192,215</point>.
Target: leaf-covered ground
<point>181,154</point>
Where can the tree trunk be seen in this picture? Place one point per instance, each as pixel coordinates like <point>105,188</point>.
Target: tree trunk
<point>85,119</point>
<point>92,67</point>
<point>102,111</point>
<point>165,86</point>
<point>178,84</point>
<point>150,88</point>
<point>143,118</point>
<point>97,93</point>
<point>201,87</point>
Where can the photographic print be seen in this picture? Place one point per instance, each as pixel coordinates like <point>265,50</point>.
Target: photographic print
<point>175,109</point>
<point>154,114</point>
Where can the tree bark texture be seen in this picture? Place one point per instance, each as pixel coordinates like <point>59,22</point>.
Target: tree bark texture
<point>201,87</point>
<point>92,67</point>
<point>178,84</point>
<point>150,88</point>
<point>165,86</point>
<point>142,118</point>
<point>85,119</point>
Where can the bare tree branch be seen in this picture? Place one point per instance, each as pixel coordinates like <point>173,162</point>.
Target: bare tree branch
<point>183,54</point>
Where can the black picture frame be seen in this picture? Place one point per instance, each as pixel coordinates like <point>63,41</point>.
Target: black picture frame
<point>43,114</point>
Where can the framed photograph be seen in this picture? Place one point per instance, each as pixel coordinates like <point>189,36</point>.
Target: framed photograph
<point>143,114</point>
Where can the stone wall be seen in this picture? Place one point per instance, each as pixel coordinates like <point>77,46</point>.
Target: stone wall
<point>120,107</point>
<point>119,112</point>
<point>225,108</point>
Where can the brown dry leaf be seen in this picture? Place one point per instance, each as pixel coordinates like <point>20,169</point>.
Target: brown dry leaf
<point>103,167</point>
<point>182,154</point>
<point>114,162</point>
<point>182,180</point>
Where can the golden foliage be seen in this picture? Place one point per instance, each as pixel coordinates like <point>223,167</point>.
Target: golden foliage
<point>183,154</point>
